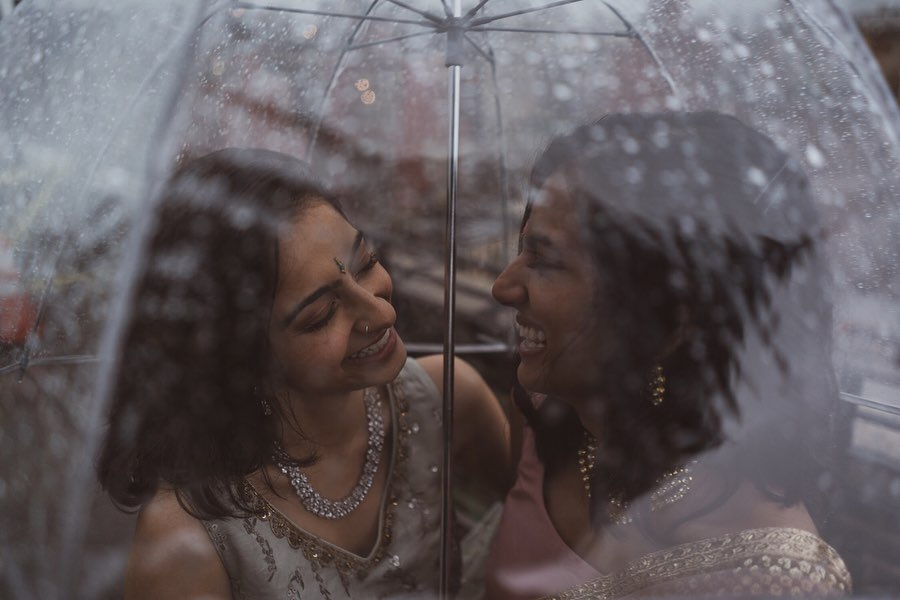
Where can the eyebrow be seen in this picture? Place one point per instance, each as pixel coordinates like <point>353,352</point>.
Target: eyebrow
<point>534,241</point>
<point>357,241</point>
<point>325,289</point>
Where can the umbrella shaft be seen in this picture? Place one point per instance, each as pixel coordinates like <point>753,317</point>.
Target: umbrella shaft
<point>449,313</point>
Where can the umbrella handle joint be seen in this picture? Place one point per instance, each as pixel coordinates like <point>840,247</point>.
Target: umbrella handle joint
<point>456,29</point>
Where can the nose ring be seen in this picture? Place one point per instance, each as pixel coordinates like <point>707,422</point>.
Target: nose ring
<point>367,328</point>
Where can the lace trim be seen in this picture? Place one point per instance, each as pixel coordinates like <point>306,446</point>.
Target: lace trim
<point>770,561</point>
<point>320,553</point>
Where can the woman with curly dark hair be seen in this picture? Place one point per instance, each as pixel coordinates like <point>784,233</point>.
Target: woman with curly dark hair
<point>672,300</point>
<point>265,416</point>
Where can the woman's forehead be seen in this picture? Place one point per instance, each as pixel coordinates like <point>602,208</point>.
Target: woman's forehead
<point>553,211</point>
<point>318,234</point>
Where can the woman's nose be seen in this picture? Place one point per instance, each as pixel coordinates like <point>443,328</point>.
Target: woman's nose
<point>509,289</point>
<point>373,303</point>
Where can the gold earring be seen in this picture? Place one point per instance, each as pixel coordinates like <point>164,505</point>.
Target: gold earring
<point>657,386</point>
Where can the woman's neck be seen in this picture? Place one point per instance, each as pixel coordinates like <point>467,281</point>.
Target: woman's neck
<point>327,423</point>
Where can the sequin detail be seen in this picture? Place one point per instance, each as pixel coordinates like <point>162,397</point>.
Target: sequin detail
<point>766,562</point>
<point>319,554</point>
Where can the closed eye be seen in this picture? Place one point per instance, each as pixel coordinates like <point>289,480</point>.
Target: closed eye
<point>320,322</point>
<point>372,260</point>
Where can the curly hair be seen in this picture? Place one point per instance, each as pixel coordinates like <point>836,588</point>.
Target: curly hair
<point>195,361</point>
<point>702,231</point>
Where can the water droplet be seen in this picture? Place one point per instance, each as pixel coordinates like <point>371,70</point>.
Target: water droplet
<point>673,103</point>
<point>815,157</point>
<point>756,176</point>
<point>562,92</point>
<point>630,146</point>
<point>633,175</point>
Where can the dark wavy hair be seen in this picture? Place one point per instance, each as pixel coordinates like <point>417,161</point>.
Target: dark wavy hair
<point>195,361</point>
<point>706,247</point>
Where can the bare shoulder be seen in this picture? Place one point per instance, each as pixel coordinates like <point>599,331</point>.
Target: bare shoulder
<point>172,556</point>
<point>466,380</point>
<point>481,432</point>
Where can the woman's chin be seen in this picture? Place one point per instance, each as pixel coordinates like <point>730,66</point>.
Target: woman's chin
<point>398,359</point>
<point>532,381</point>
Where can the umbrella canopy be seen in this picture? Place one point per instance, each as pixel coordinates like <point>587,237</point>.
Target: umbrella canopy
<point>409,110</point>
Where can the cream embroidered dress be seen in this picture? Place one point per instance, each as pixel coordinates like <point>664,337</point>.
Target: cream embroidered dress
<point>267,556</point>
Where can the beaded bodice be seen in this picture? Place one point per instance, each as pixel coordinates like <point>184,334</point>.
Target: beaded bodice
<point>767,563</point>
<point>268,556</point>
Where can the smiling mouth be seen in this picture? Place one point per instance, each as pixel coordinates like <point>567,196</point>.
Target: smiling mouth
<point>372,349</point>
<point>532,338</point>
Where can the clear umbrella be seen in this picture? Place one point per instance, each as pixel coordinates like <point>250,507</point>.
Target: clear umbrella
<point>426,114</point>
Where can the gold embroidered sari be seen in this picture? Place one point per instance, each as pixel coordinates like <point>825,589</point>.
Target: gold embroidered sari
<point>769,562</point>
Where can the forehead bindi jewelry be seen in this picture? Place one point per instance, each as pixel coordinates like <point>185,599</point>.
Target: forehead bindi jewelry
<point>340,265</point>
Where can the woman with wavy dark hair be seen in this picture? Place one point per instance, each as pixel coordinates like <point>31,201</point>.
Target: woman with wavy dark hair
<point>265,417</point>
<point>672,300</point>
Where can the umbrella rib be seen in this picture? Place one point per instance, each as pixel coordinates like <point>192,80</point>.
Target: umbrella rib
<point>324,13</point>
<point>474,11</point>
<point>435,348</point>
<point>422,13</point>
<point>485,20</point>
<point>72,527</point>
<point>481,51</point>
<point>870,403</point>
<point>619,34</point>
<point>48,282</point>
<point>389,40</point>
<point>447,10</point>
<point>884,91</point>
<point>75,359</point>
<point>10,368</point>
<point>670,81</point>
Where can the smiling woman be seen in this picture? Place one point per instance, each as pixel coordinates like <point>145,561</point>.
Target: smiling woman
<point>672,297</point>
<point>266,419</point>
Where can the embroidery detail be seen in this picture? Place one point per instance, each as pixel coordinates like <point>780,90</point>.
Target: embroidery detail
<point>296,578</point>
<point>269,556</point>
<point>318,553</point>
<point>771,561</point>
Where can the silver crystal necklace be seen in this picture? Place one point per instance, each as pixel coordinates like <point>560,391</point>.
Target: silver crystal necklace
<point>312,500</point>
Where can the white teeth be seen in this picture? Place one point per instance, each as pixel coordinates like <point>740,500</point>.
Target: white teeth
<point>374,348</point>
<point>532,337</point>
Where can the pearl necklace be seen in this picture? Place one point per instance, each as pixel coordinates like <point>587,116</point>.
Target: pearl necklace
<point>671,487</point>
<point>338,509</point>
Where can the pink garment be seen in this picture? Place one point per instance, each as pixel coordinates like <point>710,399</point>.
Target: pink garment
<point>528,559</point>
